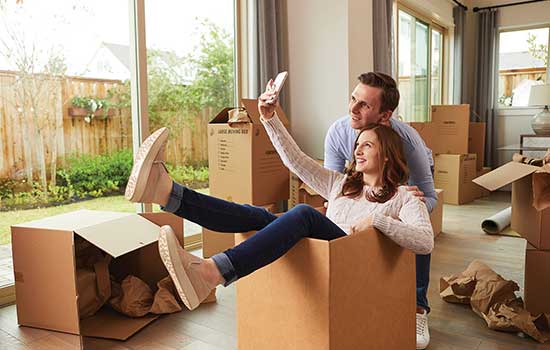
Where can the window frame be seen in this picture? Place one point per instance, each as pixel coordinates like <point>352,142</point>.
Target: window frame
<point>432,24</point>
<point>528,110</point>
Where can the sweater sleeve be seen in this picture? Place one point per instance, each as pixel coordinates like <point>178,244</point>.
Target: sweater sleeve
<point>308,170</point>
<point>413,230</point>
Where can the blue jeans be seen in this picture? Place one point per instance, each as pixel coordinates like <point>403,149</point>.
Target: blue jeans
<point>422,280</point>
<point>275,236</point>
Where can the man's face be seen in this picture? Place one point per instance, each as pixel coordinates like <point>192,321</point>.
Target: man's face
<point>364,106</point>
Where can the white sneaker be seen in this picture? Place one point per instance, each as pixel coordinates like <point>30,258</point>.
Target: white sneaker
<point>422,331</point>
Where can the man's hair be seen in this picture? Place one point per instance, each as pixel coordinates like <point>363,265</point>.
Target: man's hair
<point>390,93</point>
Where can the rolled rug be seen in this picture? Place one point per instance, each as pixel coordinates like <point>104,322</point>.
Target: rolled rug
<point>497,223</point>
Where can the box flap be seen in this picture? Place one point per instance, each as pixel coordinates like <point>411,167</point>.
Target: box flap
<point>251,106</point>
<point>120,236</point>
<point>222,116</point>
<point>74,220</point>
<point>107,323</point>
<point>504,175</point>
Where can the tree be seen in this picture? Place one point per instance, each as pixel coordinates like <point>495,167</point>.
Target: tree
<point>538,51</point>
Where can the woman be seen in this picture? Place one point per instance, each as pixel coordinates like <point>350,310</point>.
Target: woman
<point>368,195</point>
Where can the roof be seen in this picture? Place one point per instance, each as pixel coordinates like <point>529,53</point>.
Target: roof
<point>519,60</point>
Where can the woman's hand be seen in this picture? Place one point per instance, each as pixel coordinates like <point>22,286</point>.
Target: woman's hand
<point>268,101</point>
<point>362,225</point>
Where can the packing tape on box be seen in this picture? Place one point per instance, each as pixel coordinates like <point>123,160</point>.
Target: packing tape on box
<point>498,222</point>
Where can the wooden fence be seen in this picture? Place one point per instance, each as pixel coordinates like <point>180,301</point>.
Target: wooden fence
<point>36,128</point>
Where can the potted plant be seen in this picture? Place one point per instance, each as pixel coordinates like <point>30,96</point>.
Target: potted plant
<point>90,108</point>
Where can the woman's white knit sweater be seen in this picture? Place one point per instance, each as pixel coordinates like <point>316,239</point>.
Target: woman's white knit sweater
<point>404,218</point>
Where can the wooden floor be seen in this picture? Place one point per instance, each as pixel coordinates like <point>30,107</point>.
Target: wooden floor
<point>213,326</point>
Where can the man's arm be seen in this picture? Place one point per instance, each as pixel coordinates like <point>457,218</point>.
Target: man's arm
<point>420,173</point>
<point>334,157</point>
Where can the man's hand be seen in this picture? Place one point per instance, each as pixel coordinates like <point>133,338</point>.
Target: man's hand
<point>361,225</point>
<point>416,192</point>
<point>268,101</point>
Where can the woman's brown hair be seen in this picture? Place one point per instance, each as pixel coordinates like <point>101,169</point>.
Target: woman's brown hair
<point>393,166</point>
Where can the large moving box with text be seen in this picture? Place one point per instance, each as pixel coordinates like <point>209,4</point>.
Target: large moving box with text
<point>436,216</point>
<point>530,185</point>
<point>44,264</point>
<point>244,167</point>
<point>315,297</point>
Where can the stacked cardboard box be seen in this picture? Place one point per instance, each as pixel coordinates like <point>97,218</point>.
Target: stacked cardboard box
<point>458,148</point>
<point>529,184</point>
<point>436,216</point>
<point>44,264</point>
<point>244,167</point>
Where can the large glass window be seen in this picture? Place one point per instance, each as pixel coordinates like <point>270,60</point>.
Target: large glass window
<point>522,63</point>
<point>190,55</point>
<point>65,101</point>
<point>420,62</point>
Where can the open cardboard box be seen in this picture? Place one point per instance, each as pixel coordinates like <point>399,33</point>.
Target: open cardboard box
<point>45,267</point>
<point>354,292</point>
<point>530,223</point>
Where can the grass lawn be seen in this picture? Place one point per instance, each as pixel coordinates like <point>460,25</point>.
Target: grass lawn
<point>113,203</point>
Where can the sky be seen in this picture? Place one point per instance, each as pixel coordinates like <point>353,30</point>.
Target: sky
<point>517,41</point>
<point>77,28</point>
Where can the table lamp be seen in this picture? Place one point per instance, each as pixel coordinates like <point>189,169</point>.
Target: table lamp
<point>540,96</point>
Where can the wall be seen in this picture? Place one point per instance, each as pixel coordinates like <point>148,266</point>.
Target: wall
<point>515,121</point>
<point>329,44</point>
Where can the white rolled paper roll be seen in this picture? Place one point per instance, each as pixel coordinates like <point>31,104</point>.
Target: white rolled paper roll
<point>498,222</point>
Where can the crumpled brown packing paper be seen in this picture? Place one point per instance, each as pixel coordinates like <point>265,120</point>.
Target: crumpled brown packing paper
<point>165,301</point>
<point>92,278</point>
<point>238,118</point>
<point>132,297</point>
<point>493,298</point>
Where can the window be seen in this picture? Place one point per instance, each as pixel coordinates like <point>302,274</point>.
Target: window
<point>522,63</point>
<point>59,150</point>
<point>420,56</point>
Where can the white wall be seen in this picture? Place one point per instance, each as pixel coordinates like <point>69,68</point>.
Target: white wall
<point>329,44</point>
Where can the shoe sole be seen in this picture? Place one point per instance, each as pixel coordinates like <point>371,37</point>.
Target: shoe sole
<point>168,249</point>
<point>143,162</point>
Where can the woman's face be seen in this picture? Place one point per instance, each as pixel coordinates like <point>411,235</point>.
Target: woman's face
<point>367,153</point>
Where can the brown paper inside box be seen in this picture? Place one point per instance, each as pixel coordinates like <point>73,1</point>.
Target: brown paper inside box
<point>46,259</point>
<point>354,292</point>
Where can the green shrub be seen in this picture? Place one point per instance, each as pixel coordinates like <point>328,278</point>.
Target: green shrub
<point>194,177</point>
<point>95,176</point>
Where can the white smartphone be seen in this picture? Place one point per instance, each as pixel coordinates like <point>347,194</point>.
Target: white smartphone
<point>278,84</point>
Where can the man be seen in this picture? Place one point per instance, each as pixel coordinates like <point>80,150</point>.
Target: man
<point>374,100</point>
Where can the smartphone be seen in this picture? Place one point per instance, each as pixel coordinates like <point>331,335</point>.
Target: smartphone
<point>278,84</point>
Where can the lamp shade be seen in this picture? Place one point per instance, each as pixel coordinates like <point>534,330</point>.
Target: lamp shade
<point>540,95</point>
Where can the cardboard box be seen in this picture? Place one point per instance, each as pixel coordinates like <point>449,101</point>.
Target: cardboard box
<point>44,265</point>
<point>448,130</point>
<point>476,142</point>
<point>537,280</point>
<point>244,166</point>
<point>530,223</point>
<point>314,298</point>
<point>482,192</point>
<point>302,193</point>
<point>216,242</point>
<point>436,216</point>
<point>454,173</point>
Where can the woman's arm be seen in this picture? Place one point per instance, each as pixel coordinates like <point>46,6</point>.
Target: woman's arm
<point>308,170</point>
<point>414,229</point>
